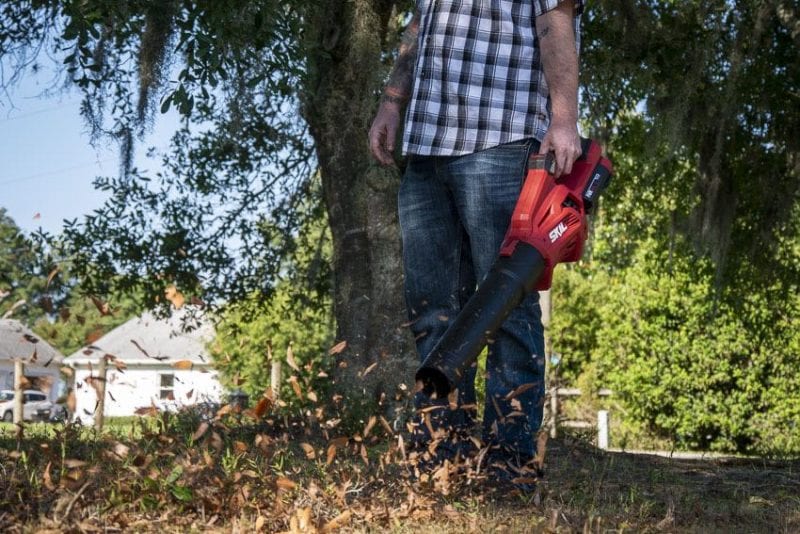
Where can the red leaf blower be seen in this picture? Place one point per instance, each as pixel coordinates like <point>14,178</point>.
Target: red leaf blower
<point>549,226</point>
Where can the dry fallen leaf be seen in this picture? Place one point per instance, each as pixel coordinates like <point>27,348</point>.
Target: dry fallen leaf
<point>201,430</point>
<point>285,483</point>
<point>339,347</point>
<point>48,481</point>
<point>52,275</point>
<point>183,364</point>
<point>386,426</point>
<point>174,296</point>
<point>331,454</point>
<point>338,522</point>
<point>223,411</point>
<point>120,450</point>
<point>369,369</point>
<point>290,358</point>
<point>370,425</point>
<point>119,364</point>
<point>519,390</point>
<point>309,450</point>
<point>541,448</point>
<point>93,336</point>
<point>262,407</point>
<point>304,523</point>
<point>101,306</point>
<point>216,441</point>
<point>296,386</point>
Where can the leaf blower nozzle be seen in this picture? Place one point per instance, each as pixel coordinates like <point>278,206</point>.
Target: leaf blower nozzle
<point>549,226</point>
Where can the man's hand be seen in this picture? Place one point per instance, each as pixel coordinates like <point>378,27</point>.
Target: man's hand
<point>563,140</point>
<point>383,133</point>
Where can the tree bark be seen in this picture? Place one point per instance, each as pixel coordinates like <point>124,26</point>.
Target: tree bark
<point>345,75</point>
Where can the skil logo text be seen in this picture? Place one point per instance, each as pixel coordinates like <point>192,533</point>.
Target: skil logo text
<point>557,232</point>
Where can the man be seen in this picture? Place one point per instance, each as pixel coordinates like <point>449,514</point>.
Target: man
<point>485,82</point>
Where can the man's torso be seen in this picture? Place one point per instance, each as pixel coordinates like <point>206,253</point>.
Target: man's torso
<point>478,77</point>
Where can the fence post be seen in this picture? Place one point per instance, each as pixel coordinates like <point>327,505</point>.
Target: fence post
<point>602,429</point>
<point>546,305</point>
<point>275,378</point>
<point>99,414</point>
<point>19,378</point>
<point>553,412</point>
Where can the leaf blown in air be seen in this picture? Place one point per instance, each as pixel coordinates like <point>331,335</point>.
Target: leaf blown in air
<point>339,347</point>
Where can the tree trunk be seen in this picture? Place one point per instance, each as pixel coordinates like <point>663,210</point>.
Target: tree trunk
<point>345,73</point>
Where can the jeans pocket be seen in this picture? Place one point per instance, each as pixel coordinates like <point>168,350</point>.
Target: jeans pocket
<point>520,143</point>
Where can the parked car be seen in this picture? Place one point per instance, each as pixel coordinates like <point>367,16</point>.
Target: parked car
<point>35,406</point>
<point>59,413</point>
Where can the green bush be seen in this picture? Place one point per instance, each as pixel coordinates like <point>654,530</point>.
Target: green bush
<point>577,294</point>
<point>703,367</point>
<point>255,333</point>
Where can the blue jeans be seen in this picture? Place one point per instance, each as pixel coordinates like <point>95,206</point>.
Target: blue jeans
<point>454,213</point>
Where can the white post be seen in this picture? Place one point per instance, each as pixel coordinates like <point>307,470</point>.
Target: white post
<point>19,378</point>
<point>275,378</point>
<point>602,429</point>
<point>546,305</point>
<point>100,411</point>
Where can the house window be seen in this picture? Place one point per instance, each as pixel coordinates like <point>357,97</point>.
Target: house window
<point>167,387</point>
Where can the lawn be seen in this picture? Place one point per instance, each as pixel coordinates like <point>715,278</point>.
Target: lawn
<point>180,474</point>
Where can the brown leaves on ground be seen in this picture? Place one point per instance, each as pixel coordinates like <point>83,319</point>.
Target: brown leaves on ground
<point>263,472</point>
<point>220,472</point>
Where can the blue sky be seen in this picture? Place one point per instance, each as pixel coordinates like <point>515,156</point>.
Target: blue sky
<point>46,161</point>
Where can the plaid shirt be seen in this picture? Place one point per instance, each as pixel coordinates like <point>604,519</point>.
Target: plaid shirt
<point>478,78</point>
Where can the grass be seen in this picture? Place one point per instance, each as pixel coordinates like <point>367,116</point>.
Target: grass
<point>176,474</point>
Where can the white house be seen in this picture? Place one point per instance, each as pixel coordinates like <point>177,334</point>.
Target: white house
<point>41,361</point>
<point>151,362</point>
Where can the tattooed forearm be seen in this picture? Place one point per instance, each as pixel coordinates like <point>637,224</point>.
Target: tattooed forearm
<point>399,87</point>
<point>543,32</point>
<point>560,60</point>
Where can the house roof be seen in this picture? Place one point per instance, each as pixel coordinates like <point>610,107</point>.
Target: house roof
<point>152,341</point>
<point>18,341</point>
